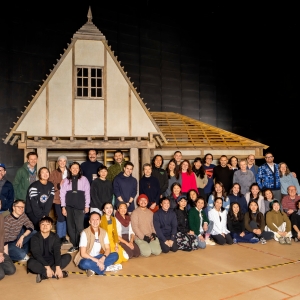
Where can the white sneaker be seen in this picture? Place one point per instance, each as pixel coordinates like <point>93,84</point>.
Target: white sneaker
<point>24,260</point>
<point>209,242</point>
<point>118,267</point>
<point>110,268</point>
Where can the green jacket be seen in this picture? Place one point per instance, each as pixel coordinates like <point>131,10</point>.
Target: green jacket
<point>21,182</point>
<point>114,170</point>
<point>194,220</point>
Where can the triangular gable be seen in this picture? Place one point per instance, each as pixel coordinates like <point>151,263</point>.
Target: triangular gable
<point>57,111</point>
<point>181,131</point>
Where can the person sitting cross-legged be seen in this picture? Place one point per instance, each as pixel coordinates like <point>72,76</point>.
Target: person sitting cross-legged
<point>46,260</point>
<point>92,240</point>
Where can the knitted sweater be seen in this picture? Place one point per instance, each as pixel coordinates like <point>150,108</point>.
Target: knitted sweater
<point>142,222</point>
<point>7,196</point>
<point>194,219</point>
<point>244,179</point>
<point>267,179</point>
<point>89,168</point>
<point>114,170</point>
<point>101,192</point>
<point>150,187</point>
<point>277,218</point>
<point>188,182</point>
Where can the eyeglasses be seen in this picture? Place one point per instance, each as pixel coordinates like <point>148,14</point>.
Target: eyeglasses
<point>269,156</point>
<point>20,207</point>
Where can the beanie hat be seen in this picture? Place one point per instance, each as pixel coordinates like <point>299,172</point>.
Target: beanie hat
<point>272,202</point>
<point>142,196</point>
<point>180,198</point>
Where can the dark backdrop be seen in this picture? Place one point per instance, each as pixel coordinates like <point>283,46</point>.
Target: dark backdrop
<point>230,65</point>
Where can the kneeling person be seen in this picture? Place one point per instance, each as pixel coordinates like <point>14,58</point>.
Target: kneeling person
<point>46,261</point>
<point>165,224</point>
<point>92,240</point>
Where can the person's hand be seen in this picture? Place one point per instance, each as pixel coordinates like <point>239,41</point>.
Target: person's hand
<point>284,233</point>
<point>290,211</point>
<point>130,245</point>
<point>280,233</point>
<point>20,242</point>
<point>58,272</point>
<point>152,206</point>
<point>242,234</point>
<point>294,174</point>
<point>1,258</point>
<point>100,264</point>
<point>86,209</point>
<point>171,243</point>
<point>205,226</point>
<point>191,232</point>
<point>298,236</point>
<point>200,237</point>
<point>49,272</point>
<point>223,234</point>
<point>64,211</point>
<point>153,236</point>
<point>167,243</point>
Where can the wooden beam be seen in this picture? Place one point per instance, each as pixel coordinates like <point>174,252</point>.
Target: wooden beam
<point>84,144</point>
<point>134,158</point>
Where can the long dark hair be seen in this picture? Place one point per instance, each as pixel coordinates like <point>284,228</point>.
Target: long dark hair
<point>231,215</point>
<point>259,191</point>
<point>259,214</point>
<point>153,161</point>
<point>175,171</point>
<point>189,199</point>
<point>219,198</point>
<point>214,193</point>
<point>231,190</point>
<point>70,173</point>
<point>198,172</point>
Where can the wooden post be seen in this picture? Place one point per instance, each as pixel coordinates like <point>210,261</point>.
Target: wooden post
<point>42,159</point>
<point>146,157</point>
<point>134,158</point>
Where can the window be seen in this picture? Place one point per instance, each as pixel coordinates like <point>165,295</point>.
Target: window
<point>89,83</point>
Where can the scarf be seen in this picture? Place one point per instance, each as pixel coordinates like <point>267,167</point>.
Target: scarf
<point>125,222</point>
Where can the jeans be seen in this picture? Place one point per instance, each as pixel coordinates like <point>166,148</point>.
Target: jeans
<point>16,253</point>
<point>7,267</point>
<point>88,264</point>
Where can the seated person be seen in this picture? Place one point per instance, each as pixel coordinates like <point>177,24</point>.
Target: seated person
<point>295,220</point>
<point>93,241</point>
<point>46,260</point>
<point>18,230</point>
<point>6,265</point>
<point>165,224</point>
<point>255,194</point>
<point>125,233</point>
<point>199,223</point>
<point>142,226</point>
<point>255,222</point>
<point>218,215</point>
<point>236,225</point>
<point>288,202</point>
<point>185,237</point>
<point>268,198</point>
<point>279,223</point>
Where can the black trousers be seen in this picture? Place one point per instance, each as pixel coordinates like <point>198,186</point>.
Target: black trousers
<point>221,240</point>
<point>36,267</point>
<point>75,220</point>
<point>7,267</point>
<point>165,248</point>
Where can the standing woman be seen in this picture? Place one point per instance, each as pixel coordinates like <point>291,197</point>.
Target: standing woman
<point>173,176</point>
<point>255,222</point>
<point>234,163</point>
<point>244,177</point>
<point>236,226</point>
<point>219,191</point>
<point>125,233</point>
<point>160,173</point>
<point>188,179</point>
<point>185,237</point>
<point>39,198</point>
<point>218,215</point>
<point>56,177</point>
<point>75,203</point>
<point>209,170</point>
<point>108,223</point>
<point>287,179</point>
<point>201,177</point>
<point>175,193</point>
<point>255,194</point>
<point>235,195</point>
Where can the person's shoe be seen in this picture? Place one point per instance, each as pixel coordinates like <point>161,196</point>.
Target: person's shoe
<point>234,241</point>
<point>110,268</point>
<point>24,260</point>
<point>281,240</point>
<point>90,273</point>
<point>288,241</point>
<point>296,240</point>
<point>118,267</point>
<point>65,274</point>
<point>209,242</point>
<point>73,249</point>
<point>254,240</point>
<point>63,241</point>
<point>40,277</point>
<point>263,241</point>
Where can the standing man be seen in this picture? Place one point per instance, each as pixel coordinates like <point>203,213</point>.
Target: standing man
<point>224,174</point>
<point>6,265</point>
<point>209,170</point>
<point>18,231</point>
<point>6,193</point>
<point>178,157</point>
<point>268,176</point>
<point>165,224</point>
<point>117,167</point>
<point>46,260</point>
<point>125,187</point>
<point>25,176</point>
<point>251,164</point>
<point>90,167</point>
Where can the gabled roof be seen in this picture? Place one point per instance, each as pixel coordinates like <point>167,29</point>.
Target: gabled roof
<point>182,131</point>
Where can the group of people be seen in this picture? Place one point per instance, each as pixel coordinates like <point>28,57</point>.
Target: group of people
<point>183,206</point>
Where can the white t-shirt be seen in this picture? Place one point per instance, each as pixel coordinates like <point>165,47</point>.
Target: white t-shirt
<point>97,246</point>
